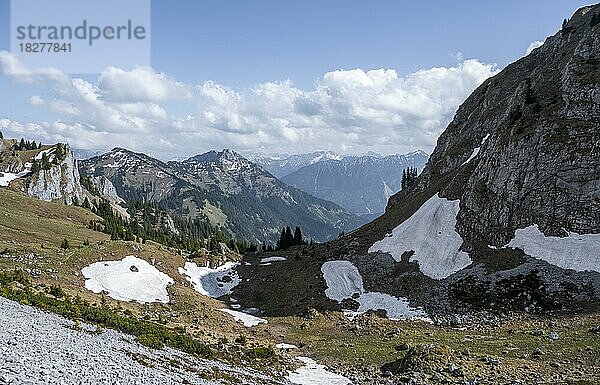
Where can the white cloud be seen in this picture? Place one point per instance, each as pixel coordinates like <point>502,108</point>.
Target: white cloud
<point>348,111</point>
<point>140,85</point>
<point>532,46</point>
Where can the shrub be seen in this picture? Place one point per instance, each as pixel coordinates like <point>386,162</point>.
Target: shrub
<point>261,353</point>
<point>64,244</point>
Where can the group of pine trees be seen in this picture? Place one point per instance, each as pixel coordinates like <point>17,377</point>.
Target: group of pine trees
<point>409,177</point>
<point>25,145</point>
<point>44,163</point>
<point>286,239</point>
<point>146,224</point>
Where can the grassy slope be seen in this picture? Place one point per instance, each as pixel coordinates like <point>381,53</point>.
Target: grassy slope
<point>30,222</point>
<point>31,226</point>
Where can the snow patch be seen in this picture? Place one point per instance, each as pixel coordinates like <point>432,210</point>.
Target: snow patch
<point>247,319</point>
<point>7,177</point>
<point>314,374</point>
<point>214,283</point>
<point>344,281</point>
<point>130,279</point>
<point>273,259</point>
<point>580,252</point>
<point>284,346</point>
<point>430,233</point>
<point>473,155</point>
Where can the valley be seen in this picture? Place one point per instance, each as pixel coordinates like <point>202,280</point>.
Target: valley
<point>476,264</point>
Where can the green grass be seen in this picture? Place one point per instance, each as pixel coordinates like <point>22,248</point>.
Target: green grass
<point>331,338</point>
<point>32,222</point>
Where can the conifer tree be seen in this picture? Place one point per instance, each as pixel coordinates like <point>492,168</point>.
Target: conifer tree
<point>297,236</point>
<point>35,165</point>
<point>45,162</point>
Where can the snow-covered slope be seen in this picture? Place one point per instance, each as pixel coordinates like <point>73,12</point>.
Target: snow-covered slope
<point>430,233</point>
<point>345,282</point>
<point>130,279</point>
<point>314,374</point>
<point>575,251</point>
<point>283,164</point>
<point>247,319</point>
<point>215,282</point>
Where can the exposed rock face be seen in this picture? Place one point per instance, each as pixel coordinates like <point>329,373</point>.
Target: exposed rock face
<point>522,150</point>
<point>107,189</point>
<point>59,183</point>
<point>539,164</point>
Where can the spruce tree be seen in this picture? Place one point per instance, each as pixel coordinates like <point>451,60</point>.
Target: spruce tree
<point>289,238</point>
<point>297,236</point>
<point>1,136</point>
<point>35,165</point>
<point>45,162</point>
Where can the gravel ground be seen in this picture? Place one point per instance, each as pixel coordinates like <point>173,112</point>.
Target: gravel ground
<point>42,348</point>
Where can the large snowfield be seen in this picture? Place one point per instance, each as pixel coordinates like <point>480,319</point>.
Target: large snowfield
<point>344,281</point>
<point>314,374</point>
<point>577,252</point>
<point>130,279</point>
<point>430,233</point>
<point>215,282</point>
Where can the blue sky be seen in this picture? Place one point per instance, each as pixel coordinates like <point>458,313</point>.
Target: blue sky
<point>241,44</point>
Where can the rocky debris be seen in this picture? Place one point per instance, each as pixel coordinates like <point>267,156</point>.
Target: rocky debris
<point>554,336</point>
<point>42,348</point>
<point>420,358</point>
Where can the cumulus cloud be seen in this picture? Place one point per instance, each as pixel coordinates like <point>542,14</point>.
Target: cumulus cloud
<point>141,85</point>
<point>350,111</point>
<point>532,46</point>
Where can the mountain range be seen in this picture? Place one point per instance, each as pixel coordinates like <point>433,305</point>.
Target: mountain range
<point>359,184</point>
<point>224,188</point>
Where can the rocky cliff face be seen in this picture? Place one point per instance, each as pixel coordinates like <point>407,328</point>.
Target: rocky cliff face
<point>521,156</point>
<point>535,128</point>
<point>506,213</point>
<point>59,183</point>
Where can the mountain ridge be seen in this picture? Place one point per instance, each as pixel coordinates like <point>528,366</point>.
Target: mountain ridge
<point>247,200</point>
